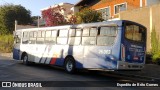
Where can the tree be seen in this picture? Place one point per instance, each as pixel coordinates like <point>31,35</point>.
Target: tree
<point>35,20</point>
<point>53,16</point>
<point>9,13</point>
<point>87,15</point>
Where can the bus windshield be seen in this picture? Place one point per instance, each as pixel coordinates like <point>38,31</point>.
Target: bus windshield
<point>134,32</point>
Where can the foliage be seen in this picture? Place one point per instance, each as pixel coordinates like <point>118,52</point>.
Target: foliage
<point>87,15</point>
<point>72,19</point>
<point>9,13</point>
<point>155,43</point>
<point>34,20</point>
<point>6,43</point>
<point>53,16</point>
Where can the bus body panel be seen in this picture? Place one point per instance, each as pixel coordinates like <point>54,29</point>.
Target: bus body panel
<point>101,57</point>
<point>16,52</point>
<point>77,52</point>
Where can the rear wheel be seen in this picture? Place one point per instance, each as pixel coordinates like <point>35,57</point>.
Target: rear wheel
<point>25,60</point>
<point>70,65</point>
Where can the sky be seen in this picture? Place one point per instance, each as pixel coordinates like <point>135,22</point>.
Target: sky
<point>36,5</point>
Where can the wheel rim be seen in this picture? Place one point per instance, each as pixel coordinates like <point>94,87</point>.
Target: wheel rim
<point>69,66</point>
<point>25,59</point>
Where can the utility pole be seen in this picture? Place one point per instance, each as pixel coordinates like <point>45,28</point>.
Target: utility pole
<point>38,21</point>
<point>15,25</point>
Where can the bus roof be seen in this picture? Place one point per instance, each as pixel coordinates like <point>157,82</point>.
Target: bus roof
<point>97,24</point>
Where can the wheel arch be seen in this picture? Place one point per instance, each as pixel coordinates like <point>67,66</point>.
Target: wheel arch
<point>68,57</point>
<point>23,54</point>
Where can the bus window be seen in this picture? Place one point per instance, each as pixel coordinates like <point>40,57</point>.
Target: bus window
<point>134,33</point>
<point>93,32</point>
<point>78,32</point>
<point>32,38</point>
<point>105,41</point>
<point>108,31</point>
<point>31,34</point>
<point>62,40</point>
<point>74,40</point>
<point>72,32</point>
<point>63,33</point>
<point>39,34</point>
<point>40,40</point>
<point>88,40</point>
<point>63,36</point>
<point>48,34</point>
<point>107,35</point>
<point>86,32</point>
<point>35,34</point>
<point>43,33</point>
<point>17,37</point>
<point>25,38</point>
<point>50,40</point>
<point>54,33</point>
<point>51,37</point>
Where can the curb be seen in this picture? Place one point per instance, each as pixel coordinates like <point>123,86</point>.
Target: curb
<point>9,55</point>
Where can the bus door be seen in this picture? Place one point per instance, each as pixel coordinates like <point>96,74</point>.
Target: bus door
<point>134,46</point>
<point>16,47</point>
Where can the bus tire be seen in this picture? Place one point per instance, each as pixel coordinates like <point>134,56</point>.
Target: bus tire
<point>70,65</point>
<point>25,59</point>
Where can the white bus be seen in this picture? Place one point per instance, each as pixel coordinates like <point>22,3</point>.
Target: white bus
<point>112,45</point>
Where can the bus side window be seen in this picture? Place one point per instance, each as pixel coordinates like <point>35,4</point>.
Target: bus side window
<point>63,37</point>
<point>17,37</point>
<point>32,38</point>
<point>51,37</point>
<point>78,32</point>
<point>107,35</point>
<point>89,36</point>
<point>74,36</point>
<point>72,32</point>
<point>40,37</point>
<point>25,38</point>
<point>86,32</point>
<point>93,32</point>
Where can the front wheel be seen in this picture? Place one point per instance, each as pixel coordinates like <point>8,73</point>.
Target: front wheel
<point>25,60</point>
<point>70,65</point>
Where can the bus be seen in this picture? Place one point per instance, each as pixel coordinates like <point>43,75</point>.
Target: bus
<point>110,45</point>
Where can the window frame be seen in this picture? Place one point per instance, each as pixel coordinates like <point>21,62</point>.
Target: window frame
<point>119,5</point>
<point>105,10</point>
<point>33,32</point>
<point>115,37</point>
<point>59,36</point>
<point>135,41</point>
<point>27,38</point>
<point>89,36</point>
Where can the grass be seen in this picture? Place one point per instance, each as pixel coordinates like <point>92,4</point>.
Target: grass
<point>6,43</point>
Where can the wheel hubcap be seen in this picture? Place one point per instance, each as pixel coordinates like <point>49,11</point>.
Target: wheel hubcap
<point>69,66</point>
<point>25,58</point>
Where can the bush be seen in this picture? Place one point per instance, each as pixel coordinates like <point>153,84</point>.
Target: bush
<point>6,43</point>
<point>156,58</point>
<point>87,15</point>
<point>155,43</point>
